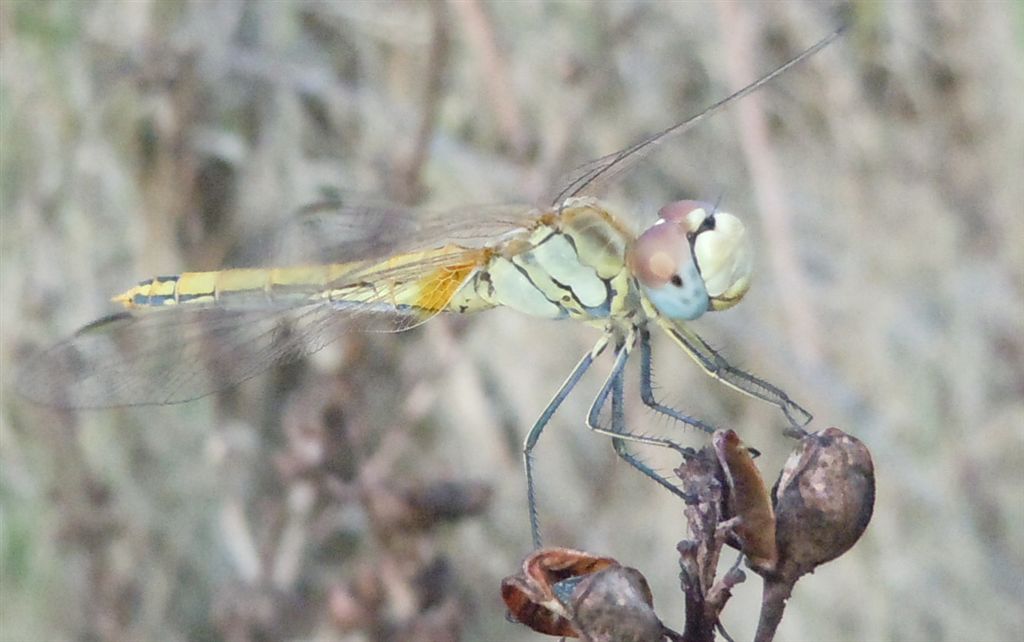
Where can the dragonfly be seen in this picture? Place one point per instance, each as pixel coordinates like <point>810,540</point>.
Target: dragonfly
<point>180,337</point>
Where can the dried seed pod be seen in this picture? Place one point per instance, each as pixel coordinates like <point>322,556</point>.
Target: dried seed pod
<point>823,500</point>
<point>530,594</point>
<point>611,605</point>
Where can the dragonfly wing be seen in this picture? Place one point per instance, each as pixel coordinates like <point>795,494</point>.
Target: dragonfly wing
<point>167,355</point>
<point>594,176</point>
<point>330,232</point>
<point>181,352</point>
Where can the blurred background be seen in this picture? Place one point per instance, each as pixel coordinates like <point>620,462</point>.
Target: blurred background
<point>376,492</point>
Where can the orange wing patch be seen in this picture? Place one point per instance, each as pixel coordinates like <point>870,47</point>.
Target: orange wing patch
<point>437,290</point>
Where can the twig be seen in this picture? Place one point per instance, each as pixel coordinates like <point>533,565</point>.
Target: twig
<point>407,187</point>
<point>504,101</point>
<point>792,288</point>
<point>773,605</point>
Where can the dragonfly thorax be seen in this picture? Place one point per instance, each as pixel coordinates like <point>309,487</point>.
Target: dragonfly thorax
<point>569,264</point>
<point>691,260</point>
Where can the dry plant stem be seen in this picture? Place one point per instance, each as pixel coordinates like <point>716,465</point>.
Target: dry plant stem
<point>408,187</point>
<point>697,628</point>
<point>704,605</point>
<point>704,598</point>
<point>792,288</point>
<point>401,588</point>
<point>87,523</point>
<point>479,29</point>
<point>773,605</point>
<point>721,591</point>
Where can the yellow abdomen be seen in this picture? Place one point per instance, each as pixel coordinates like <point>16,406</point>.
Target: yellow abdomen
<point>421,280</point>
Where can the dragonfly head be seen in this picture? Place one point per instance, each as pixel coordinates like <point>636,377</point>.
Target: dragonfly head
<point>692,259</point>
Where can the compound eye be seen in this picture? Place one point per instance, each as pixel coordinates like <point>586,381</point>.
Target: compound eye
<point>662,262</point>
<point>724,256</point>
<point>693,216</point>
<point>658,254</point>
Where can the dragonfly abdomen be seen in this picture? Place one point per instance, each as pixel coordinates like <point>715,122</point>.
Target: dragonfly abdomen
<point>386,286</point>
<point>223,286</point>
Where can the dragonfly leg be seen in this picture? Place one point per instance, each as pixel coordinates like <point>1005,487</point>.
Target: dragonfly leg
<point>718,367</point>
<point>613,387</point>
<point>538,427</point>
<point>647,388</point>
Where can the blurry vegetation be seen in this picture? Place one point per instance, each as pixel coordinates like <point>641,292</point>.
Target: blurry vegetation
<point>884,191</point>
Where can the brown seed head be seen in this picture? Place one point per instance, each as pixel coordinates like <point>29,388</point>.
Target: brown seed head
<point>823,500</point>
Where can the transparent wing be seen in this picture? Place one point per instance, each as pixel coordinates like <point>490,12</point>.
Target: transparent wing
<point>330,232</point>
<point>179,353</point>
<point>594,176</point>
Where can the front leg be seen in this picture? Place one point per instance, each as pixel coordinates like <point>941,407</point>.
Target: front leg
<point>647,388</point>
<point>716,365</point>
